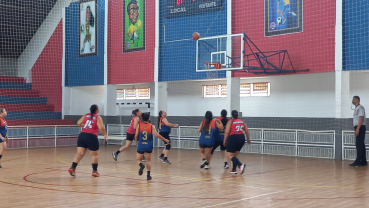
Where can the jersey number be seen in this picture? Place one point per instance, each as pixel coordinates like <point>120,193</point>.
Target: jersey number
<point>239,128</point>
<point>145,135</point>
<point>88,124</point>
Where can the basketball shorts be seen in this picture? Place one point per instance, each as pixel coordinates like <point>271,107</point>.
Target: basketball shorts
<point>205,146</point>
<point>88,141</point>
<point>165,135</point>
<point>130,137</point>
<point>235,142</point>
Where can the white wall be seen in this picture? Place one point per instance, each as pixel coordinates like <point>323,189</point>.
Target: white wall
<point>81,98</point>
<point>310,95</point>
<point>359,85</point>
<point>126,110</point>
<point>8,67</point>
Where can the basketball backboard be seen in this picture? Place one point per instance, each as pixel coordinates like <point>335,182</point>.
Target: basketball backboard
<point>224,49</point>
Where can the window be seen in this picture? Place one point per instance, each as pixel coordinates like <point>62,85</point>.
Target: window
<point>212,91</point>
<point>141,93</point>
<point>246,90</point>
<point>260,89</point>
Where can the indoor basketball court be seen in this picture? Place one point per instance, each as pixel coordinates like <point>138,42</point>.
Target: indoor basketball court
<point>234,103</point>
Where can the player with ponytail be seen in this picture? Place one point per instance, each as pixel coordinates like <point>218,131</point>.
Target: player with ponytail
<point>165,129</point>
<point>236,130</point>
<point>206,142</point>
<point>219,137</point>
<point>131,131</point>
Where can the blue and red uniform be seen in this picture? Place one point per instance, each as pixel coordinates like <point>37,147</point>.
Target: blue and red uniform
<point>3,128</point>
<point>145,138</point>
<point>219,134</point>
<point>207,138</point>
<point>163,127</point>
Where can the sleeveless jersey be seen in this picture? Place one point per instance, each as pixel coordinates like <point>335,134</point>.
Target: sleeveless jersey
<point>219,134</point>
<point>145,138</point>
<point>207,138</point>
<point>163,127</point>
<point>3,127</point>
<point>131,129</point>
<point>237,127</point>
<point>90,124</point>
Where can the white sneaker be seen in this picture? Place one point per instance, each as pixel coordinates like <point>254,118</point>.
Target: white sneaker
<point>284,21</point>
<point>242,168</point>
<point>226,166</point>
<point>293,13</point>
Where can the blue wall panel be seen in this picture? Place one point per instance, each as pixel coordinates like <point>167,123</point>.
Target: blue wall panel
<point>355,35</point>
<point>177,55</point>
<point>89,70</point>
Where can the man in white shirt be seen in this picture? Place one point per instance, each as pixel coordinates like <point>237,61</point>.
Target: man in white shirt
<point>359,122</point>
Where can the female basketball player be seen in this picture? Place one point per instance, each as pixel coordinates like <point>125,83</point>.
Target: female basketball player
<point>3,132</point>
<point>91,124</point>
<point>219,138</point>
<point>131,131</point>
<point>234,143</point>
<point>207,128</point>
<point>164,131</point>
<point>144,140</point>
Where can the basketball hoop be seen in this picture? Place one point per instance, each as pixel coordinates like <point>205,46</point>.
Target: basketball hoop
<point>212,74</point>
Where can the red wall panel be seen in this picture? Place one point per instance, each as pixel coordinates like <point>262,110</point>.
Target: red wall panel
<point>134,67</point>
<point>47,71</point>
<point>314,48</point>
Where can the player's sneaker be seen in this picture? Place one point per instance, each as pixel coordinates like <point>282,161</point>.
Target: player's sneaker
<point>0,167</point>
<point>115,155</point>
<point>226,166</point>
<point>203,164</point>
<point>142,167</point>
<point>242,168</point>
<point>149,178</point>
<point>161,158</point>
<point>90,49</point>
<point>83,50</point>
<point>144,159</point>
<point>206,167</point>
<point>284,21</point>
<point>293,13</point>
<point>233,172</point>
<point>95,173</point>
<point>72,171</point>
<point>166,162</point>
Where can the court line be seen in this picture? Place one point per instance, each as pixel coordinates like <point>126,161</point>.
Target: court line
<point>173,176</point>
<point>261,195</point>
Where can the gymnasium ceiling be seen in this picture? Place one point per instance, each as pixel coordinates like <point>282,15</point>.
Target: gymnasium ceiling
<point>19,21</point>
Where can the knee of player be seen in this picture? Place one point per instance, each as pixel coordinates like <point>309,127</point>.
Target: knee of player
<point>168,146</point>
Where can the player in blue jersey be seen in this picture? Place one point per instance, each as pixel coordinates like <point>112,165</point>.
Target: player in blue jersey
<point>145,143</point>
<point>164,131</point>
<point>206,141</point>
<point>3,132</point>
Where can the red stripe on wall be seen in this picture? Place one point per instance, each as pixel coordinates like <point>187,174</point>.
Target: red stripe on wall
<point>47,71</point>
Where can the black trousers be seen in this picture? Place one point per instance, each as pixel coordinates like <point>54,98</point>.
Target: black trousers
<point>360,145</point>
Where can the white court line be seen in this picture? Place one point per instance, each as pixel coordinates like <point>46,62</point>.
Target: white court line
<point>246,198</point>
<point>187,179</point>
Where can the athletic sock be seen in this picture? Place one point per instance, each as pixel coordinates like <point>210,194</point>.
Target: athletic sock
<point>225,163</point>
<point>162,155</point>
<point>165,158</point>
<point>74,165</point>
<point>1,156</point>
<point>148,173</point>
<point>236,162</point>
<point>94,167</point>
<point>203,159</point>
<point>117,152</point>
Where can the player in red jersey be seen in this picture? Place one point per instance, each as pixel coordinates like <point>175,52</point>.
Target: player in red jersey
<point>219,137</point>
<point>91,123</point>
<point>236,130</point>
<point>131,131</point>
<point>3,132</point>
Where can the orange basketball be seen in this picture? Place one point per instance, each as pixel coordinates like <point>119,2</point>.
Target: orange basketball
<point>196,36</point>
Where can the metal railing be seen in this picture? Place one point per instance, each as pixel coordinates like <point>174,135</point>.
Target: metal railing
<point>348,145</point>
<point>42,136</point>
<point>290,142</point>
